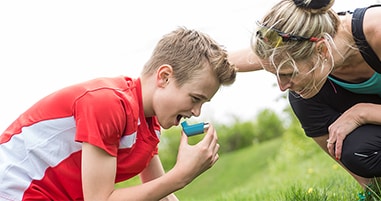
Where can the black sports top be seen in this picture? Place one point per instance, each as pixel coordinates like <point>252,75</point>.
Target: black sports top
<point>358,34</point>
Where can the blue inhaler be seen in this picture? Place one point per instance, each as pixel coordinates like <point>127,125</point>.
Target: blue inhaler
<point>194,129</point>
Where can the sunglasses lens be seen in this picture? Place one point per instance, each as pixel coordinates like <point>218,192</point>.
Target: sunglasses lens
<point>269,36</point>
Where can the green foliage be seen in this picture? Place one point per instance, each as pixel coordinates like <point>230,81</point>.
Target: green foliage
<point>169,146</point>
<point>287,166</point>
<point>257,173</point>
<point>372,192</point>
<point>268,126</point>
<point>131,182</point>
<point>292,167</point>
<point>239,135</point>
<point>298,193</point>
<point>233,171</point>
<point>236,136</point>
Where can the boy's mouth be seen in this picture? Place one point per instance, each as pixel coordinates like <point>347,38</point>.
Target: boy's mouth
<point>179,117</point>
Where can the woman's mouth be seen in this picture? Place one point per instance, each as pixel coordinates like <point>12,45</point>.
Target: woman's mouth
<point>307,93</point>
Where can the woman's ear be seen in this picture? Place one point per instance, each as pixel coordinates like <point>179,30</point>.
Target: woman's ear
<point>163,75</point>
<point>321,48</point>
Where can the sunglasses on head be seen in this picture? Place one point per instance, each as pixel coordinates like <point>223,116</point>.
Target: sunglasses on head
<point>275,38</point>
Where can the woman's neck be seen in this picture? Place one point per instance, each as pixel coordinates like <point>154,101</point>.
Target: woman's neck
<point>348,63</point>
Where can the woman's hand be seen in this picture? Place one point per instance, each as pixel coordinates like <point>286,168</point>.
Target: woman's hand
<point>357,115</point>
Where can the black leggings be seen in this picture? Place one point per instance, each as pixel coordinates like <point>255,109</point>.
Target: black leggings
<point>361,152</point>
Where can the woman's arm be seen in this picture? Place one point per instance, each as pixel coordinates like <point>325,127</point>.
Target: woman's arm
<point>245,60</point>
<point>357,115</point>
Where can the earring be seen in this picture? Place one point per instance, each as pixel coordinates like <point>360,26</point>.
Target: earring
<point>319,49</point>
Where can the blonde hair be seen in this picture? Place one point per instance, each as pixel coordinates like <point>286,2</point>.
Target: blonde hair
<point>189,52</point>
<point>297,17</point>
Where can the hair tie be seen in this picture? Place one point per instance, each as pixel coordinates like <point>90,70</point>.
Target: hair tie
<point>314,4</point>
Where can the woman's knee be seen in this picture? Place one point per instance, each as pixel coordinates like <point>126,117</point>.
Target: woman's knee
<point>361,163</point>
<point>360,153</point>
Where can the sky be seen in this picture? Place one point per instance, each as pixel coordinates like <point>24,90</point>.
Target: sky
<point>46,45</point>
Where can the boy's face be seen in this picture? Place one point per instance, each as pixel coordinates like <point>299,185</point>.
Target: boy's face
<point>171,103</point>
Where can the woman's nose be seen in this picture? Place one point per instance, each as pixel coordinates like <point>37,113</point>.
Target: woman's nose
<point>284,85</point>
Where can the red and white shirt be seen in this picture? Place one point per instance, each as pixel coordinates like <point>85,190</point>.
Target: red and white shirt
<point>40,152</point>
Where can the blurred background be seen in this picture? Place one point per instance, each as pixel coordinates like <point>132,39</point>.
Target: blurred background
<point>46,45</point>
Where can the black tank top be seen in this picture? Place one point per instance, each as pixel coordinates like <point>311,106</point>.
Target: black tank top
<point>358,35</point>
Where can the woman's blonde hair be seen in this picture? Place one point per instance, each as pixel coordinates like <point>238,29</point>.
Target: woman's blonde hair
<point>306,18</point>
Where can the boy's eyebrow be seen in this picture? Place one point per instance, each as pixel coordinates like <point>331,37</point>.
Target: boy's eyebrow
<point>203,97</point>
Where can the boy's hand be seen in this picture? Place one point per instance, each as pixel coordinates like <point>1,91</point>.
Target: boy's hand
<point>193,160</point>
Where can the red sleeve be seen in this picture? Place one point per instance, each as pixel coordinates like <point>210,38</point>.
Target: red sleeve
<point>100,119</point>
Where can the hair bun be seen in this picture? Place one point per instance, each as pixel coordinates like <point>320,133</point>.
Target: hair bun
<point>318,5</point>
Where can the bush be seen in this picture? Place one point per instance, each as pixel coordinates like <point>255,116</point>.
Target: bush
<point>240,134</point>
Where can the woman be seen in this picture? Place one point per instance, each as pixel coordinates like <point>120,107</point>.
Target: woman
<point>330,63</point>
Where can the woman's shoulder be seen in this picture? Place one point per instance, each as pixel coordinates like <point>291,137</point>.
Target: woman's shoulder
<point>372,28</point>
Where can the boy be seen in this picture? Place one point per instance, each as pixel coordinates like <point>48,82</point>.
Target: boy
<point>77,142</point>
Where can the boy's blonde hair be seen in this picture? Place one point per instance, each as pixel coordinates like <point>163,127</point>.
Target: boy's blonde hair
<point>188,52</point>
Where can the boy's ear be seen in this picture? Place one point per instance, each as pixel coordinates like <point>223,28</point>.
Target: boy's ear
<point>163,74</point>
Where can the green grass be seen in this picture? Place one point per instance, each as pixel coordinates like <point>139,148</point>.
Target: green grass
<point>270,171</point>
<point>231,173</point>
<point>276,170</point>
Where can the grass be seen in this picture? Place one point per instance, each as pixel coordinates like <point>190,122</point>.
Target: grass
<point>267,172</point>
<point>231,173</point>
<point>276,170</point>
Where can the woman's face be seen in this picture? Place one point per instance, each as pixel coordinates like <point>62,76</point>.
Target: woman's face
<point>305,82</point>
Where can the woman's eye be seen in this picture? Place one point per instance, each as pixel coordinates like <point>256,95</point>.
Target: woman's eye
<point>286,75</point>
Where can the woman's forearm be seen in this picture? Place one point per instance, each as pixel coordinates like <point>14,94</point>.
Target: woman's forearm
<point>245,60</point>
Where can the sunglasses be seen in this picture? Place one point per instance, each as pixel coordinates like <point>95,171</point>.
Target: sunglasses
<point>275,38</point>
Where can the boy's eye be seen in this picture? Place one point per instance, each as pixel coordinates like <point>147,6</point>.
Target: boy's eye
<point>196,99</point>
